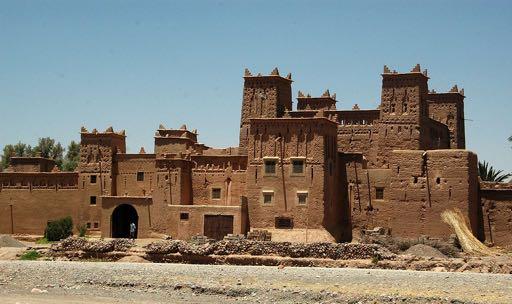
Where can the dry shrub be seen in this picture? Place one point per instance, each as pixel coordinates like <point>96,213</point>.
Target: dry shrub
<point>469,243</point>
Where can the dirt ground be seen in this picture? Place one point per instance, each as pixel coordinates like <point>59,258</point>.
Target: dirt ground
<point>106,282</point>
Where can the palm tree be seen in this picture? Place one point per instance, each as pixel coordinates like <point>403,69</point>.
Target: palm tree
<point>489,174</point>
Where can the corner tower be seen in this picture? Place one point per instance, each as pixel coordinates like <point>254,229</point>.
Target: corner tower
<point>403,112</point>
<point>268,96</point>
<point>448,108</point>
<point>97,166</point>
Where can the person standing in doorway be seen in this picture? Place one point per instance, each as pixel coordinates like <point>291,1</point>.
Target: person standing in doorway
<point>133,227</point>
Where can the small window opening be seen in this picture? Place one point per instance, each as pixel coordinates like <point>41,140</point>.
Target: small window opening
<point>379,193</point>
<point>96,225</point>
<point>216,193</point>
<point>270,166</point>
<point>184,216</point>
<point>140,176</point>
<point>93,179</point>
<point>298,166</point>
<point>302,198</point>
<point>438,180</point>
<point>92,200</point>
<point>415,179</point>
<point>284,223</point>
<point>268,197</point>
<point>88,225</point>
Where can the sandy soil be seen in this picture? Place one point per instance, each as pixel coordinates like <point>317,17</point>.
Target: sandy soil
<point>102,282</point>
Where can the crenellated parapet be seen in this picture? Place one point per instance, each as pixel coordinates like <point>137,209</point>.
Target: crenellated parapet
<point>98,148</point>
<point>264,96</point>
<point>38,180</point>
<point>173,141</point>
<point>219,162</point>
<point>324,102</point>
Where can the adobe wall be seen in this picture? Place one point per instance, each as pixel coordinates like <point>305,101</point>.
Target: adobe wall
<point>31,164</point>
<point>128,166</point>
<point>416,190</point>
<point>314,140</point>
<point>438,135</point>
<point>448,108</point>
<point>421,188</point>
<point>173,187</point>
<point>403,107</point>
<point>230,182</point>
<point>316,103</point>
<point>173,145</point>
<point>363,199</point>
<point>267,96</point>
<point>37,198</point>
<point>497,210</point>
<point>97,152</point>
<point>31,210</point>
<point>184,229</point>
<point>359,138</point>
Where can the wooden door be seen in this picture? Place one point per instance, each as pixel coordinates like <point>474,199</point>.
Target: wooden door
<point>218,226</point>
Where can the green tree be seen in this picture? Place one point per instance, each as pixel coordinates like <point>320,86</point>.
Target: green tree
<point>47,147</point>
<point>72,157</point>
<point>489,174</point>
<point>6,156</point>
<point>22,150</point>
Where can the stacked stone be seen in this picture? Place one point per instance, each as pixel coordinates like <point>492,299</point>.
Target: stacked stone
<point>234,237</point>
<point>82,244</point>
<point>259,235</point>
<point>345,251</point>
<point>200,239</point>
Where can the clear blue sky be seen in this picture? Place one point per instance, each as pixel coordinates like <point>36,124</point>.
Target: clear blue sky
<point>133,65</point>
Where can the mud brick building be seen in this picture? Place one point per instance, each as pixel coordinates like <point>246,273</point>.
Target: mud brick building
<point>313,173</point>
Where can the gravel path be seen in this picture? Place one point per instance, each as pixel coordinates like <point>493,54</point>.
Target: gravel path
<point>101,282</point>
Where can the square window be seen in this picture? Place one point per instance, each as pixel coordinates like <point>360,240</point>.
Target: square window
<point>93,179</point>
<point>140,176</point>
<point>216,193</point>
<point>184,216</point>
<point>96,225</point>
<point>302,198</point>
<point>268,197</point>
<point>284,223</point>
<point>379,193</point>
<point>297,166</point>
<point>92,200</point>
<point>270,166</point>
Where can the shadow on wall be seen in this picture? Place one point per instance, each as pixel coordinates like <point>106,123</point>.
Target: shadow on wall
<point>122,217</point>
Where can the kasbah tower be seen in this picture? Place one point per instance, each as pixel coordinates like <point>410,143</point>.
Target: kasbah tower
<point>313,173</point>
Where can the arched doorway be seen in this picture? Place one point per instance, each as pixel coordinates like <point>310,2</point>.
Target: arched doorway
<point>121,219</point>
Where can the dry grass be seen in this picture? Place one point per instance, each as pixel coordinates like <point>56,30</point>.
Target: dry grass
<point>469,243</point>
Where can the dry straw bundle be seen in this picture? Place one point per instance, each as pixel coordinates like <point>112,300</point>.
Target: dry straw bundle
<point>469,243</point>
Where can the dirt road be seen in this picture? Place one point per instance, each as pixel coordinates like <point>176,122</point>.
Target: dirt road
<point>101,282</point>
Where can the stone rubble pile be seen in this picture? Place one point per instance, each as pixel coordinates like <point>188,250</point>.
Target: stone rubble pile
<point>259,235</point>
<point>234,237</point>
<point>82,244</point>
<point>343,251</point>
<point>200,240</point>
